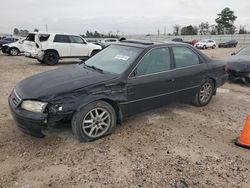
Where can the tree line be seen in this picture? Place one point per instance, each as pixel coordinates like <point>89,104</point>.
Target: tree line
<point>96,34</point>
<point>224,25</point>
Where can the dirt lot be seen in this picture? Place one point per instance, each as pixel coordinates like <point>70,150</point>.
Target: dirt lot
<point>176,146</point>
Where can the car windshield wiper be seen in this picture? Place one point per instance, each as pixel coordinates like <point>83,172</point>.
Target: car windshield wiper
<point>93,67</point>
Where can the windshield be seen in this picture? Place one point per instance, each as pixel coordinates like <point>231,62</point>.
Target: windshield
<point>244,51</point>
<point>114,59</point>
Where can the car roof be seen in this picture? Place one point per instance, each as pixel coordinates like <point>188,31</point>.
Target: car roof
<point>147,44</point>
<point>50,33</point>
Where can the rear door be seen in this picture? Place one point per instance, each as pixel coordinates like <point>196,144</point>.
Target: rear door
<point>78,46</point>
<point>62,45</point>
<point>150,85</point>
<point>189,73</point>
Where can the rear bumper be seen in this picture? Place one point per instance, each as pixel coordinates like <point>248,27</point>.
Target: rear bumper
<point>35,55</point>
<point>28,122</point>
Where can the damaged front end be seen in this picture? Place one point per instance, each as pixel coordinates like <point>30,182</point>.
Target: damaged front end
<point>239,71</point>
<point>34,123</point>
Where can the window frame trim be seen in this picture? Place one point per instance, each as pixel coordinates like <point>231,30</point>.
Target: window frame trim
<point>174,62</point>
<point>171,63</point>
<point>61,42</point>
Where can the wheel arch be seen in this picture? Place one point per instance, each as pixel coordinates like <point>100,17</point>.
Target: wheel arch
<point>14,47</point>
<point>113,103</point>
<point>52,50</point>
<point>214,82</point>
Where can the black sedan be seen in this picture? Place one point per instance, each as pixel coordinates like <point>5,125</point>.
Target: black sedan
<point>239,66</point>
<point>122,80</point>
<point>228,44</point>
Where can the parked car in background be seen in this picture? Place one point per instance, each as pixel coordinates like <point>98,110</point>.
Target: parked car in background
<point>228,44</point>
<point>122,80</point>
<point>107,42</point>
<point>194,42</point>
<point>207,43</point>
<point>14,48</point>
<point>51,47</point>
<point>180,40</point>
<point>239,66</point>
<point>7,41</point>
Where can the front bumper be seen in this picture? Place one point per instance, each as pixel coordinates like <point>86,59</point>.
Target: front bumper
<point>28,122</point>
<point>243,76</point>
<point>5,49</point>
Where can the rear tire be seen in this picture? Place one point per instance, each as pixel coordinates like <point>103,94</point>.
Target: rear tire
<point>204,94</point>
<point>51,58</point>
<point>204,47</point>
<point>94,121</point>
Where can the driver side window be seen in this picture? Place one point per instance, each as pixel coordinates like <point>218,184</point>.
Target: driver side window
<point>157,60</point>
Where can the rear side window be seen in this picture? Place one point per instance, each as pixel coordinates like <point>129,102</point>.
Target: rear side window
<point>157,60</point>
<point>76,39</point>
<point>62,39</point>
<point>185,57</point>
<point>43,37</point>
<point>30,37</point>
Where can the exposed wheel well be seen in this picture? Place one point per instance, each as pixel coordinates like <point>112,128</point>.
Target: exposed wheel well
<point>52,50</point>
<point>214,82</point>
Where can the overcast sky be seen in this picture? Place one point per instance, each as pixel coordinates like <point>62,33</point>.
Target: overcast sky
<point>127,16</point>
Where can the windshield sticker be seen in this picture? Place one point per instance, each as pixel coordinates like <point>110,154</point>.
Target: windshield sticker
<point>122,57</point>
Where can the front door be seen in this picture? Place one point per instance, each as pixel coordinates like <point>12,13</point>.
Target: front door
<point>151,83</point>
<point>78,47</point>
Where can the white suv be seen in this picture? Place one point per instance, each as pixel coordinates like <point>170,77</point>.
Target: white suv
<point>204,44</point>
<point>51,47</point>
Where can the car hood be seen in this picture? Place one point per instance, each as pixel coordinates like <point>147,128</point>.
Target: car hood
<point>60,81</point>
<point>94,46</point>
<point>239,63</point>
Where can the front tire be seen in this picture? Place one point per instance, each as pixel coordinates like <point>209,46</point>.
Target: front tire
<point>213,46</point>
<point>94,121</point>
<point>204,94</point>
<point>94,52</point>
<point>14,51</point>
<point>204,47</point>
<point>51,58</point>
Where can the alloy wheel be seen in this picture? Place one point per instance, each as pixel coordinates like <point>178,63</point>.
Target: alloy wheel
<point>96,122</point>
<point>206,92</point>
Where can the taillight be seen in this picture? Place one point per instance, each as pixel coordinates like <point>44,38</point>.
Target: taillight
<point>226,68</point>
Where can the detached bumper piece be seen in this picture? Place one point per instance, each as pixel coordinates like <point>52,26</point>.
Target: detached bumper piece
<point>28,122</point>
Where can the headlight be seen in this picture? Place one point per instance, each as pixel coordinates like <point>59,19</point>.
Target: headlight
<point>34,106</point>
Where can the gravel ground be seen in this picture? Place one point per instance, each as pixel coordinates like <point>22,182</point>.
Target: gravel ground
<point>175,146</point>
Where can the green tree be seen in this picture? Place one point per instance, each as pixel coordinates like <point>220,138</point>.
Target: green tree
<point>16,31</point>
<point>189,30</point>
<point>36,30</point>
<point>204,28</point>
<point>225,22</point>
<point>242,30</point>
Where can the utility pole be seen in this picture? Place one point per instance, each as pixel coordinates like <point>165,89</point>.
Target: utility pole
<point>46,27</point>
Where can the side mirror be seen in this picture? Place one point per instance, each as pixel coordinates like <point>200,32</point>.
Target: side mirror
<point>233,53</point>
